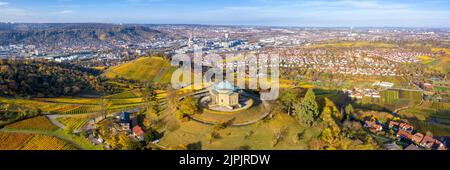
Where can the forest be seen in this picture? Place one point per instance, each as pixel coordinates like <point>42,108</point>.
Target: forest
<point>35,78</point>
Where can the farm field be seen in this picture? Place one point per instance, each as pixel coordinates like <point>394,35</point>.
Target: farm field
<point>25,141</point>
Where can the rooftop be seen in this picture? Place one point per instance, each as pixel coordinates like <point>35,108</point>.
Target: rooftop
<point>225,85</point>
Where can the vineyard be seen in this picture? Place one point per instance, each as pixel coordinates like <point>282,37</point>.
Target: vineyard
<point>22,141</point>
<point>432,116</point>
<point>394,99</point>
<point>36,123</point>
<point>154,69</point>
<point>125,95</point>
<point>75,123</point>
<point>390,96</point>
<point>75,101</point>
<point>82,110</point>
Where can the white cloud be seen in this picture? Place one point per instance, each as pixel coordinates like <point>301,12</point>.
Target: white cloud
<point>63,12</point>
<point>3,3</point>
<point>8,12</point>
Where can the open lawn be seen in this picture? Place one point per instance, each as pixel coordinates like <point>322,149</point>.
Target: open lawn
<point>260,135</point>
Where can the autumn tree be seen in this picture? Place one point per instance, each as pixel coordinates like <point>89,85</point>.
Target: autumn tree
<point>105,104</point>
<point>188,106</point>
<point>331,107</point>
<point>127,144</point>
<point>287,100</point>
<point>348,111</point>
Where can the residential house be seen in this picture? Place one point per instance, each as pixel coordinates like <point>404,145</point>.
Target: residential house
<point>406,127</point>
<point>393,124</point>
<point>416,138</point>
<point>125,121</point>
<point>404,134</point>
<point>427,142</point>
<point>138,133</point>
<point>373,125</point>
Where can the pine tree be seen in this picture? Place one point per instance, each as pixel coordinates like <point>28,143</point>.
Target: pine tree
<point>307,110</point>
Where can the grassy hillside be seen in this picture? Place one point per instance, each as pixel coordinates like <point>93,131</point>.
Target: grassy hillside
<point>154,69</point>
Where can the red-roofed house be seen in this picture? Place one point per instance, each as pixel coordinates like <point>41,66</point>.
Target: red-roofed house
<point>427,141</point>
<point>138,133</point>
<point>406,127</point>
<point>373,125</point>
<point>404,134</point>
<point>416,138</point>
<point>393,124</point>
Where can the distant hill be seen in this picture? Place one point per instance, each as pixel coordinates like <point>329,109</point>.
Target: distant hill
<point>74,33</point>
<point>154,69</point>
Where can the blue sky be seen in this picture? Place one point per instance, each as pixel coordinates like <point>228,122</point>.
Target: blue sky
<point>404,13</point>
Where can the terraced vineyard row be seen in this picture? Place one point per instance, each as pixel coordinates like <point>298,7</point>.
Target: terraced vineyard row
<point>22,141</point>
<point>125,95</point>
<point>75,101</point>
<point>126,101</point>
<point>62,108</point>
<point>75,123</point>
<point>125,107</point>
<point>36,123</point>
<point>83,110</point>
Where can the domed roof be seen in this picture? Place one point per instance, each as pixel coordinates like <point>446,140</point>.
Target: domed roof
<point>225,85</point>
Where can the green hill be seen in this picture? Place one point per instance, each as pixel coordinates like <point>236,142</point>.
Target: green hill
<point>154,69</point>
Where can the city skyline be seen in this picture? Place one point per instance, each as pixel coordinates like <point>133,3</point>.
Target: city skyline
<point>321,13</point>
